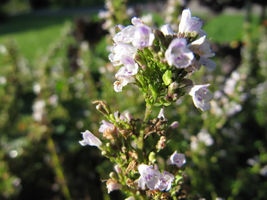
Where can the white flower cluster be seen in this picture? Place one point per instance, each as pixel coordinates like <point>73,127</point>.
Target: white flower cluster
<point>179,54</point>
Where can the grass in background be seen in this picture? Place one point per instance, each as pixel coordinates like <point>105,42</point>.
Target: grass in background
<point>34,34</point>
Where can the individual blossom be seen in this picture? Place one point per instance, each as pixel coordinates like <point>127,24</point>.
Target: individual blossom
<point>38,110</point>
<point>166,29</point>
<point>124,77</point>
<point>165,181</point>
<point>108,130</point>
<point>178,54</point>
<point>177,159</point>
<point>201,96</point>
<point>202,48</point>
<point>143,35</point>
<point>149,177</point>
<point>153,179</point>
<point>122,53</point>
<point>189,23</point>
<point>90,139</point>
<point>161,114</point>
<point>112,185</point>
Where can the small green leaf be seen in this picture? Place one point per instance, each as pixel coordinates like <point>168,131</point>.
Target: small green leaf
<point>153,92</point>
<point>167,77</point>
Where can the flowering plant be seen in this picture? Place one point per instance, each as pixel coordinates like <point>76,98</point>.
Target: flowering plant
<point>159,62</point>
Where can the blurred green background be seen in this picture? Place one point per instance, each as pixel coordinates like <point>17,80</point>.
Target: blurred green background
<point>54,62</point>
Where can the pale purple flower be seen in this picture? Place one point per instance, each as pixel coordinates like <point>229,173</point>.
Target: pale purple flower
<point>201,96</point>
<point>149,177</point>
<point>189,23</point>
<point>143,35</point>
<point>178,54</point>
<point>105,125</point>
<point>174,124</point>
<point>125,35</point>
<point>112,185</point>
<point>177,159</point>
<point>165,181</point>
<point>153,179</point>
<point>90,139</point>
<point>202,48</point>
<point>138,34</point>
<point>122,53</point>
<point>166,29</point>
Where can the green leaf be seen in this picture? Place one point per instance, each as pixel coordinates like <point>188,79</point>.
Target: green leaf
<point>167,77</point>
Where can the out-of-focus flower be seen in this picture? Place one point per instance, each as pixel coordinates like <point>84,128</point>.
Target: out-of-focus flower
<point>38,110</point>
<point>178,54</point>
<point>189,23</point>
<point>204,136</point>
<point>36,88</point>
<point>112,185</point>
<point>130,198</point>
<point>90,139</point>
<point>53,100</point>
<point>174,124</point>
<point>2,80</point>
<point>201,96</point>
<point>177,159</point>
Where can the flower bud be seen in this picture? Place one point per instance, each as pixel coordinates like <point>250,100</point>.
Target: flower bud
<point>117,169</point>
<point>161,143</point>
<point>112,175</point>
<point>174,124</point>
<point>102,107</point>
<point>152,157</point>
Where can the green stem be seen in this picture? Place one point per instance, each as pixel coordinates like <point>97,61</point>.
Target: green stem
<point>147,112</point>
<point>58,168</point>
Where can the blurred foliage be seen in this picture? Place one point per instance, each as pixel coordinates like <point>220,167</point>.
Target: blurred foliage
<point>40,157</point>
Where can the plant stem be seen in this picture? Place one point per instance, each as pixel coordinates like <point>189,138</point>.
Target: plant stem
<point>58,168</point>
<point>147,112</point>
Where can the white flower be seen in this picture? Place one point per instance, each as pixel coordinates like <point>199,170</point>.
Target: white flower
<point>125,35</point>
<point>178,54</point>
<point>112,185</point>
<point>204,136</point>
<point>2,80</point>
<point>189,23</point>
<point>201,96</point>
<point>161,114</point>
<point>202,48</point>
<point>124,77</point>
<point>36,88</point>
<point>166,29</point>
<point>89,139</point>
<point>177,159</point>
<point>38,110</point>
